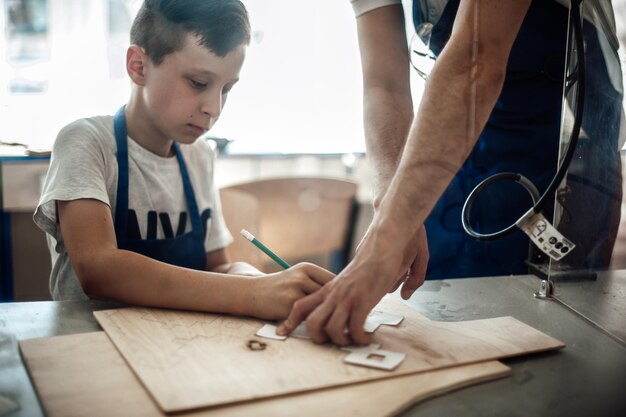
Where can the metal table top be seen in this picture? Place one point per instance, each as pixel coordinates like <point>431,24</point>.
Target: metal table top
<point>586,378</point>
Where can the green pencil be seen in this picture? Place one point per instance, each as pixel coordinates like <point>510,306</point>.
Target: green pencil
<point>264,248</point>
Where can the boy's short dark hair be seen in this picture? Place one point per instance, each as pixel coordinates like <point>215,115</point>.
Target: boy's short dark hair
<point>161,26</point>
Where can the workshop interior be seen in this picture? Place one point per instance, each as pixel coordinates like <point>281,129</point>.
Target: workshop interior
<point>584,202</point>
<point>294,123</point>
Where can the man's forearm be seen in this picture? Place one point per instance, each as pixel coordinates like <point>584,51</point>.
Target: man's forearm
<point>454,109</point>
<point>388,117</point>
<point>458,99</point>
<point>387,104</point>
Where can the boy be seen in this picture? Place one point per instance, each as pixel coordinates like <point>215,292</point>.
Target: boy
<point>112,180</point>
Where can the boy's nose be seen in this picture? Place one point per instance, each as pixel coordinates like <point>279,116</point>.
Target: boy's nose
<point>212,104</point>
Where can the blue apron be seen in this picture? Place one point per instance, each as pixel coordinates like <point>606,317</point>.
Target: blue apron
<point>186,249</point>
<point>522,135</point>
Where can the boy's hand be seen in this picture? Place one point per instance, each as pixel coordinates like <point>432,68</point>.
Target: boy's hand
<point>272,296</point>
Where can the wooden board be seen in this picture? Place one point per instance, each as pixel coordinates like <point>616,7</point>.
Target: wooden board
<point>84,374</point>
<point>190,360</point>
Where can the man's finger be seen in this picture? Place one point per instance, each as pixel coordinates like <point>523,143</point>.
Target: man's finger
<point>410,285</point>
<point>337,326</point>
<point>397,284</point>
<point>416,277</point>
<point>316,321</point>
<point>299,311</point>
<point>357,333</point>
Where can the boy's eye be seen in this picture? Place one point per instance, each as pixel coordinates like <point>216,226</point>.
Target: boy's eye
<point>197,84</point>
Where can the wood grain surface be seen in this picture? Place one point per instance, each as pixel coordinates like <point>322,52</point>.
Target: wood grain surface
<point>83,374</point>
<point>190,360</point>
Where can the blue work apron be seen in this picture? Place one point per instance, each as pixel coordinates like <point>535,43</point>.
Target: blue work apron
<point>187,249</point>
<point>522,135</point>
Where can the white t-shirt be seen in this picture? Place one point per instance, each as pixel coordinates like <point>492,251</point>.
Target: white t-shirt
<point>84,166</point>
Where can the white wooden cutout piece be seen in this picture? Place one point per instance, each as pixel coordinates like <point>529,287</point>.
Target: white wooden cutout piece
<point>376,318</point>
<point>373,321</point>
<point>301,331</point>
<point>269,332</point>
<point>373,357</point>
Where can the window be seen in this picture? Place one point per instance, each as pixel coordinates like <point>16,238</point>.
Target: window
<point>300,88</point>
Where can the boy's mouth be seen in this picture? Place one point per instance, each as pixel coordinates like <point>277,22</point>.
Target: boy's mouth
<point>197,129</point>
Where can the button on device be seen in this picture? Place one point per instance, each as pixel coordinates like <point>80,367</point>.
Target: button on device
<point>558,245</point>
<point>432,13</point>
<point>552,240</point>
<point>564,249</point>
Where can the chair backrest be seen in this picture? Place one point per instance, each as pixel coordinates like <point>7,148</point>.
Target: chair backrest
<point>301,218</point>
<point>241,211</point>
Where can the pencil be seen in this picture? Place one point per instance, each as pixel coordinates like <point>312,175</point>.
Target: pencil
<point>264,248</point>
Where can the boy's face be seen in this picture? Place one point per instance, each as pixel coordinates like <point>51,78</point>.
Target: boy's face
<point>185,94</point>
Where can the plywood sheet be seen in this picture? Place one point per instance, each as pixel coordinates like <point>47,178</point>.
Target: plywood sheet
<point>84,374</point>
<point>190,360</point>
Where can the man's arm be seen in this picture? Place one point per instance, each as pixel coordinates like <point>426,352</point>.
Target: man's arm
<point>459,96</point>
<point>388,114</point>
<point>458,99</point>
<point>387,103</point>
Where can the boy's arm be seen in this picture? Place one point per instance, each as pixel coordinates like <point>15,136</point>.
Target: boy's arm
<point>106,272</point>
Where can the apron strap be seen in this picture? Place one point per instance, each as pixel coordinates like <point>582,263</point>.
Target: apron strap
<point>192,205</point>
<point>121,205</point>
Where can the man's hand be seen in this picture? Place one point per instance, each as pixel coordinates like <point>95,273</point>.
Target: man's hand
<point>414,277</point>
<point>344,303</point>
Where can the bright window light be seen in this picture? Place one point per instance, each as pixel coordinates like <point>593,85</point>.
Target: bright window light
<point>300,88</point>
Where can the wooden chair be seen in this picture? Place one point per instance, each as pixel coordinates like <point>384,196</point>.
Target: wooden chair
<point>302,219</point>
<point>241,211</point>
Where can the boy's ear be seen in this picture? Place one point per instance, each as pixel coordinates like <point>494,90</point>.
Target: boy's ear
<point>136,61</point>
